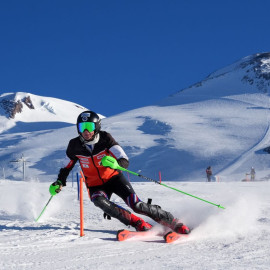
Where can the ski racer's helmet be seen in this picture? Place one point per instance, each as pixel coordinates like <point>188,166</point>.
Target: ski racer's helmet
<point>88,120</point>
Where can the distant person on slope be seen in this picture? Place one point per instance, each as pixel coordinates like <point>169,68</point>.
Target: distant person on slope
<point>209,173</point>
<point>252,174</point>
<point>88,148</point>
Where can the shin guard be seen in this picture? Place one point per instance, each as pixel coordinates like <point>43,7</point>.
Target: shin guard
<point>155,212</point>
<point>113,210</point>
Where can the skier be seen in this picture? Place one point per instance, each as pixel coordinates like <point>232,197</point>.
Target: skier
<point>88,148</point>
<point>209,173</point>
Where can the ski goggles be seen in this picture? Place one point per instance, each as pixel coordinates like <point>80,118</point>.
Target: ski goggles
<point>90,126</point>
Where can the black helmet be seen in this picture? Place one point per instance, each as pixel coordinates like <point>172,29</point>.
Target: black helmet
<point>89,116</point>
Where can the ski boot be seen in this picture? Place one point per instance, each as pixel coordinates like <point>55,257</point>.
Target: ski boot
<point>179,227</point>
<point>139,224</point>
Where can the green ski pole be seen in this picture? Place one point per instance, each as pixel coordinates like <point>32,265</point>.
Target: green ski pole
<point>111,162</point>
<point>44,209</point>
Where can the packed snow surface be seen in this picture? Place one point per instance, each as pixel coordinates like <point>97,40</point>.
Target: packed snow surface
<point>235,238</point>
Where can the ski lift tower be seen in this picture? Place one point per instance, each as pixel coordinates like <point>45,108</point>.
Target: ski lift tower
<point>23,160</point>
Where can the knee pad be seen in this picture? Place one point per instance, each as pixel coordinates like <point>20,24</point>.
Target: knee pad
<point>97,194</point>
<point>102,203</point>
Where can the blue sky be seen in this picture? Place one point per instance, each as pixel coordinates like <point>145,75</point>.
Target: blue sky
<point>116,55</point>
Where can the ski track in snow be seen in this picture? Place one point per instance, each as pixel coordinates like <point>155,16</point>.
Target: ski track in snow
<point>234,238</point>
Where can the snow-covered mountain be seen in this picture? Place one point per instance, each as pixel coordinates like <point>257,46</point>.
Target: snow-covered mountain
<point>247,76</point>
<point>18,108</point>
<point>27,122</point>
<point>222,121</point>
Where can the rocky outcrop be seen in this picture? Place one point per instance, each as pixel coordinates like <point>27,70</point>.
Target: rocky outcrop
<point>28,102</point>
<point>258,72</point>
<point>12,107</point>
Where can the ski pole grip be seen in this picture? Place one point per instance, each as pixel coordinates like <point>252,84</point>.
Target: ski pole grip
<point>109,161</point>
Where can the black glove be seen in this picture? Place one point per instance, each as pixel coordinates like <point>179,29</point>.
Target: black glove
<point>55,187</point>
<point>123,162</point>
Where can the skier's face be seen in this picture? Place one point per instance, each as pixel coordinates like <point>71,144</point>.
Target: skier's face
<point>87,135</point>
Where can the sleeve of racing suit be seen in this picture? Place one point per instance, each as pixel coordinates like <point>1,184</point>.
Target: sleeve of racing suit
<point>117,151</point>
<point>64,172</point>
<point>120,155</point>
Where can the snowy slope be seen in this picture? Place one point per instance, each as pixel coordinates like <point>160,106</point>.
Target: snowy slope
<point>182,140</point>
<point>235,238</point>
<point>222,121</point>
<point>247,76</point>
<point>36,130</point>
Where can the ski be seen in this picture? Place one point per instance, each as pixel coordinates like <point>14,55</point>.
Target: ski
<point>172,236</point>
<point>123,235</point>
<point>169,237</point>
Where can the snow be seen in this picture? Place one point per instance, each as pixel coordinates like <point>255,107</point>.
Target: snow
<point>180,140</point>
<point>222,121</point>
<point>48,109</point>
<point>234,238</point>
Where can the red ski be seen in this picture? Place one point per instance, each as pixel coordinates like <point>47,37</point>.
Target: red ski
<point>173,236</point>
<point>169,237</point>
<point>124,235</point>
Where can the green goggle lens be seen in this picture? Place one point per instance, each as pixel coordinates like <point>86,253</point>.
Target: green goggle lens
<point>90,126</point>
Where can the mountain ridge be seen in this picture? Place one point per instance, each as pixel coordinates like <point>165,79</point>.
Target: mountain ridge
<point>253,76</point>
<point>222,123</point>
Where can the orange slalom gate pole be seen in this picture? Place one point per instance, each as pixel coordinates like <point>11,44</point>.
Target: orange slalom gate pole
<point>81,204</point>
